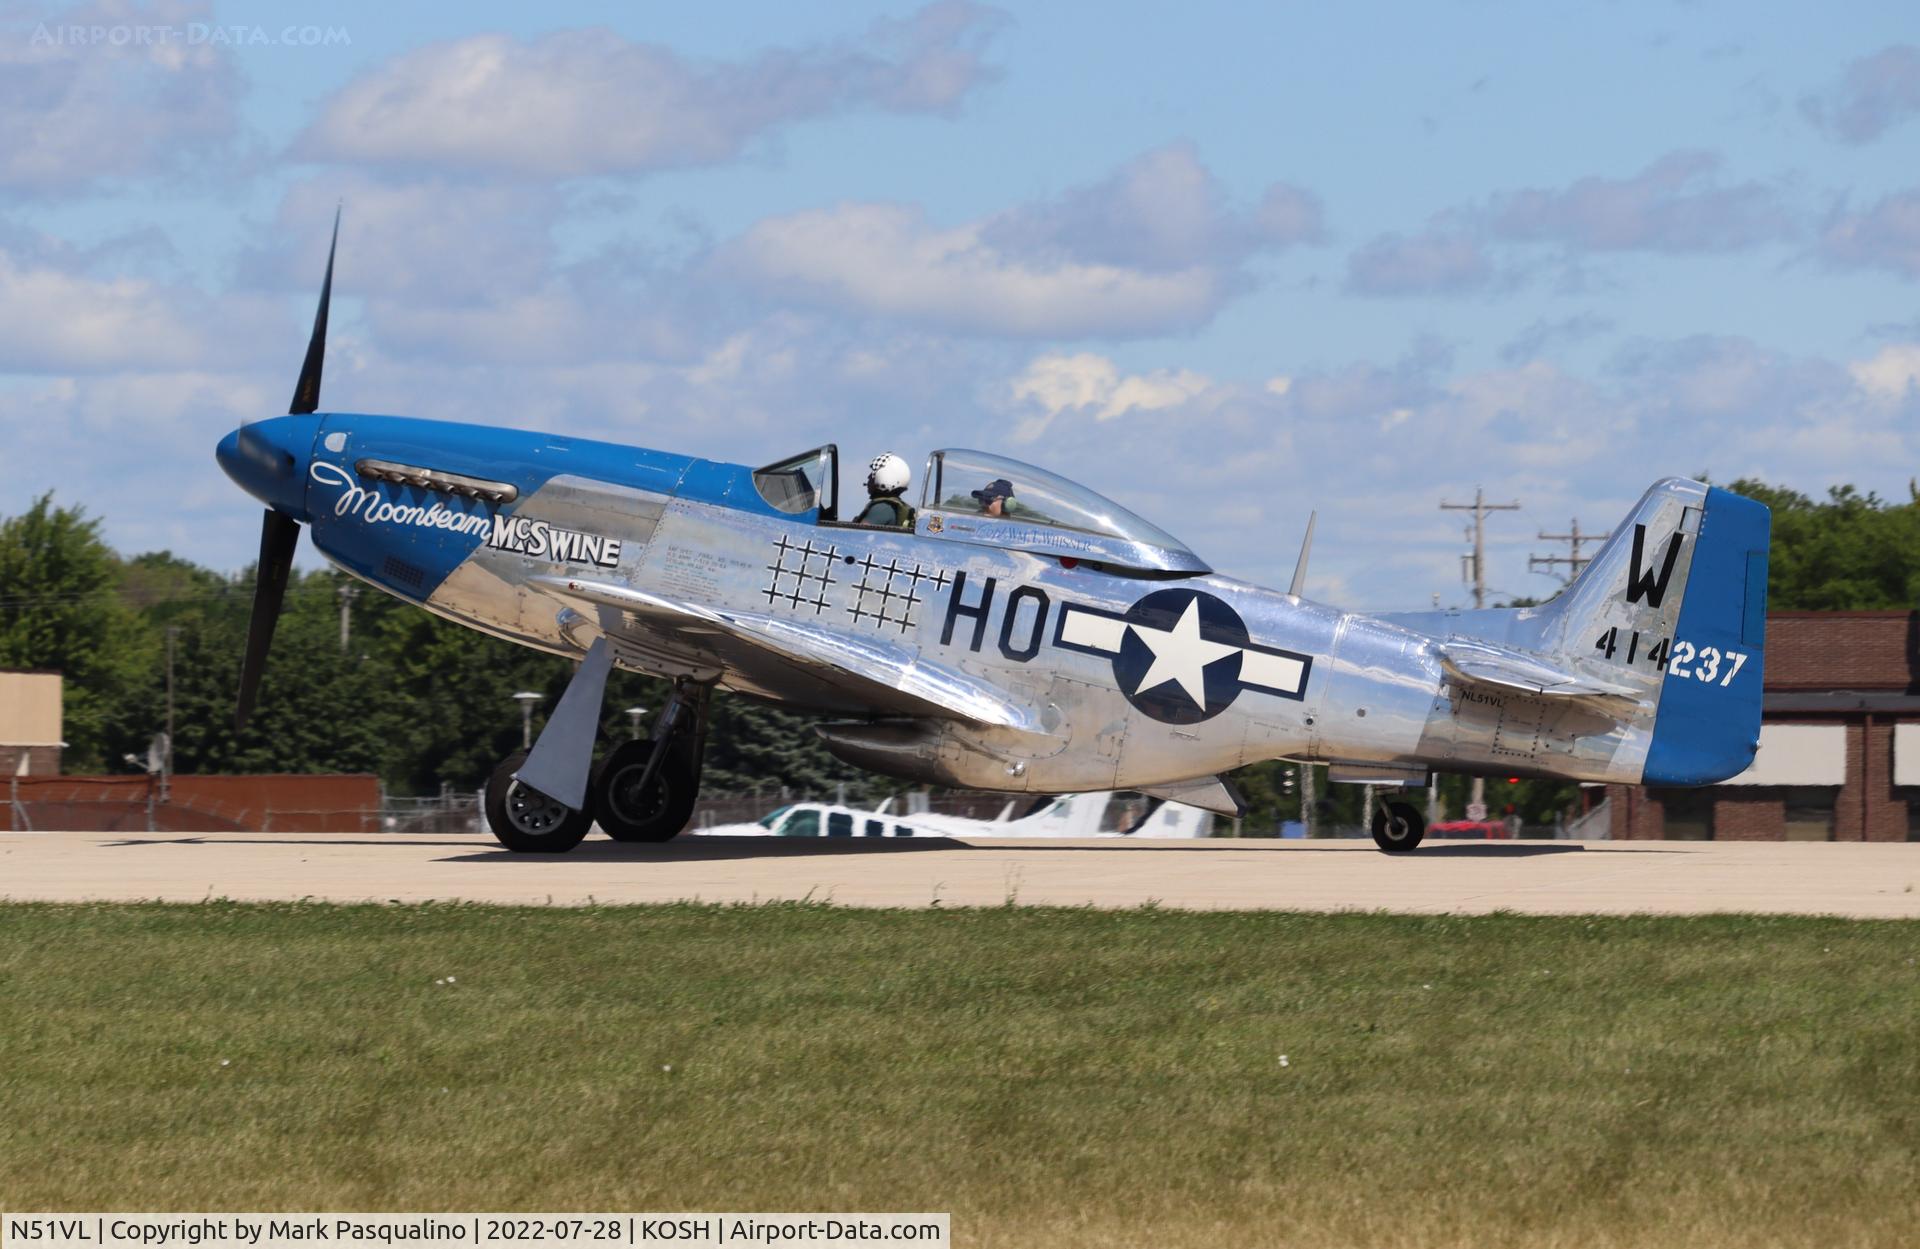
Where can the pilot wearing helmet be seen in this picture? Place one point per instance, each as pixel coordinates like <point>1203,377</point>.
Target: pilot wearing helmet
<point>887,479</point>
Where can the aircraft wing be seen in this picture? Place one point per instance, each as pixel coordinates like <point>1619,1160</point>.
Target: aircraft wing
<point>1484,664</point>
<point>873,673</point>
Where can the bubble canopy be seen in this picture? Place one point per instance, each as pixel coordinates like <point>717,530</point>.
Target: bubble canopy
<point>1041,512</point>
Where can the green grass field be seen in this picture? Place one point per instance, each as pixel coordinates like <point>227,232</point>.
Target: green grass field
<point>1049,1076</point>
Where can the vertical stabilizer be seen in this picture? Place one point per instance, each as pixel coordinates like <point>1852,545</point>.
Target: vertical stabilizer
<point>1676,603</point>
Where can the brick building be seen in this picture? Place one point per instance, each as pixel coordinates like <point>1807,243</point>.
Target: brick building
<point>30,723</point>
<point>1839,755</point>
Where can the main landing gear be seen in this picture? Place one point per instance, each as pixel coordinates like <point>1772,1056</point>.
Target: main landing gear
<point>645,789</point>
<point>1397,827</point>
<point>545,801</point>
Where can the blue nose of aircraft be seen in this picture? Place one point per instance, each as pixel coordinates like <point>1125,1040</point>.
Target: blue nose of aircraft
<point>268,459</point>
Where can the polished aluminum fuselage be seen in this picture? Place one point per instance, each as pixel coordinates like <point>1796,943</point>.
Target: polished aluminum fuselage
<point>966,611</point>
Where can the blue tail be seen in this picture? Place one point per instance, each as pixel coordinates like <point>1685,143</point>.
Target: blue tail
<point>1708,724</point>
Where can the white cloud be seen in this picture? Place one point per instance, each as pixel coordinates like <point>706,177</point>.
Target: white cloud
<point>584,102</point>
<point>136,449</point>
<point>1548,334</point>
<point>1877,93</point>
<point>1153,392</point>
<point>1893,372</point>
<point>1163,210</point>
<point>453,271</point>
<point>889,260</point>
<point>1057,383</point>
<point>55,320</point>
<point>1885,236</point>
<point>1093,384</point>
<point>428,240</point>
<point>1676,204</point>
<point>1233,468</point>
<point>1154,248</point>
<point>932,60</point>
<point>1724,377</point>
<point>1440,260</point>
<point>78,111</point>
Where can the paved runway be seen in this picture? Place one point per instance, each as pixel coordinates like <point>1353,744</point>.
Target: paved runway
<point>1543,877</point>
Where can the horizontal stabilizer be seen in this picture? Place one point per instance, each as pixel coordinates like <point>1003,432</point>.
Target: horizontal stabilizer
<point>1484,664</point>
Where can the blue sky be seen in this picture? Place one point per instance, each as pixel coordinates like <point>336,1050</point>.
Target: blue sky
<point>1229,263</point>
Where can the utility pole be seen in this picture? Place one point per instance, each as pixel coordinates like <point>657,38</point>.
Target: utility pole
<point>1573,560</point>
<point>1476,564</point>
<point>526,699</point>
<point>166,754</point>
<point>1474,567</point>
<point>348,592</point>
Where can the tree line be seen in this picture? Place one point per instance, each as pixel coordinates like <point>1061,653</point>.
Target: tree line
<point>423,702</point>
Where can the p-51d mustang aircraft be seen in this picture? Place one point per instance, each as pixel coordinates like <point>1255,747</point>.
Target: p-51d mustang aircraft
<point>1053,643</point>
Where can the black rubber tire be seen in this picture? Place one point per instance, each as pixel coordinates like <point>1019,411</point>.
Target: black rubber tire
<point>1398,828</point>
<point>658,813</point>
<point>525,820</point>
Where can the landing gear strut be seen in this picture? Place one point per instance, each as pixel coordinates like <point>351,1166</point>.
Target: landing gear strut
<point>645,790</point>
<point>1397,827</point>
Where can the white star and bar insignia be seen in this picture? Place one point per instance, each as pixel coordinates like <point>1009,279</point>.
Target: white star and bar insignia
<point>1183,641</point>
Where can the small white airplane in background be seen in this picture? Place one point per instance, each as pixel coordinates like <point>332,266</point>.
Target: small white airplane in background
<point>1071,815</point>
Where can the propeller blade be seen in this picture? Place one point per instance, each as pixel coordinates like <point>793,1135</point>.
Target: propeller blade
<point>306,392</point>
<point>278,536</point>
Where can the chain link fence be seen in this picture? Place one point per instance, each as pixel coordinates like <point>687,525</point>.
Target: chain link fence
<point>359,804</point>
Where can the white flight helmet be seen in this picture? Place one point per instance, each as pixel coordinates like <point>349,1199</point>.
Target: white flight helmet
<point>888,474</point>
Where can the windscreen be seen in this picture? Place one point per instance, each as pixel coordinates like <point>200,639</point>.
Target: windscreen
<point>799,484</point>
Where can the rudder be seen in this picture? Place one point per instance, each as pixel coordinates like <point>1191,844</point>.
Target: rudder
<point>1708,725</point>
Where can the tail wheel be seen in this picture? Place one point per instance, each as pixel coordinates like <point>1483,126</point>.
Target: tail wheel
<point>1397,827</point>
<point>632,806</point>
<point>530,822</point>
